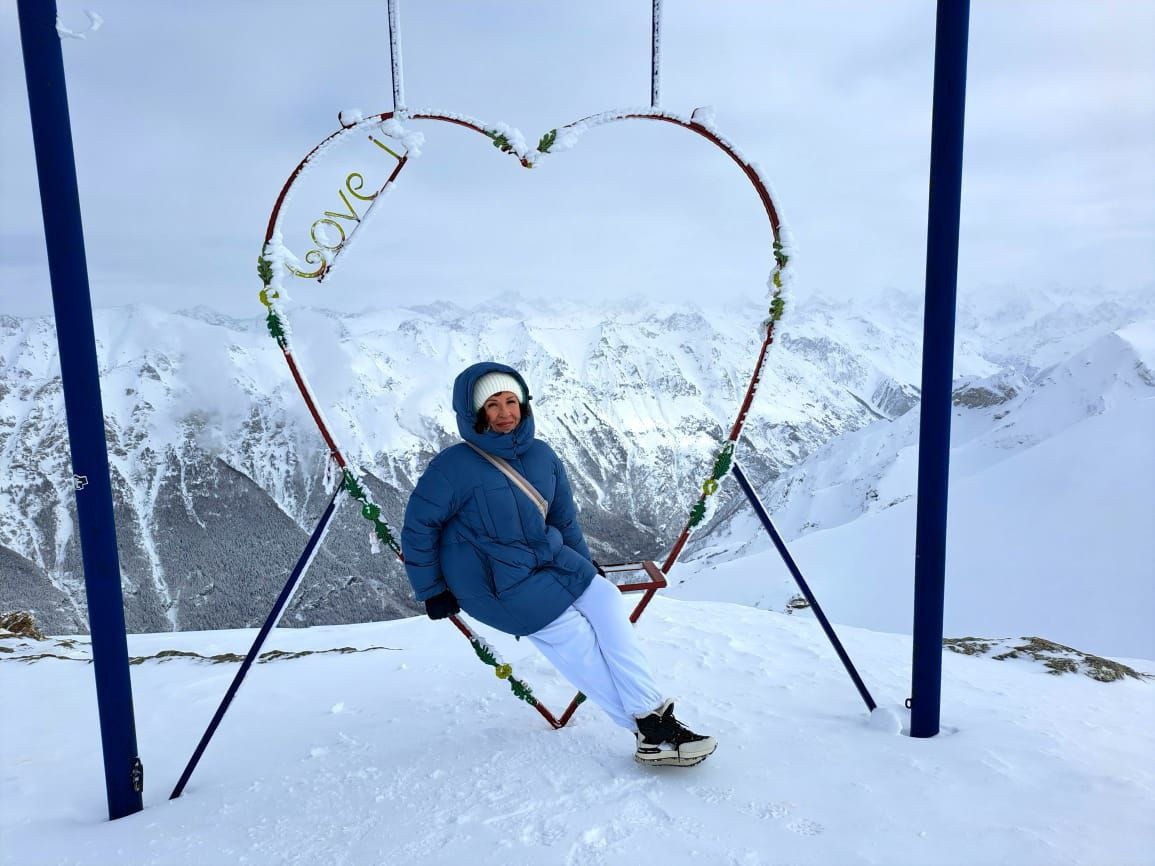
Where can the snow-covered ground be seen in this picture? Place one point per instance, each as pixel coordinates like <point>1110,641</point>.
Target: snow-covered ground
<point>412,752</point>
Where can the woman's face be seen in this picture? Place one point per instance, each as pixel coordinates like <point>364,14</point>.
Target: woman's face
<point>502,411</point>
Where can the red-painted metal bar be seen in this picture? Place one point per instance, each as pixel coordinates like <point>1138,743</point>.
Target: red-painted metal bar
<point>461,627</point>
<point>735,431</point>
<point>656,581</point>
<point>303,387</point>
<point>747,169</point>
<point>537,705</point>
<point>578,700</point>
<point>755,378</point>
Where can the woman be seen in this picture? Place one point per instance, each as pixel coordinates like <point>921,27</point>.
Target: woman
<point>507,547</point>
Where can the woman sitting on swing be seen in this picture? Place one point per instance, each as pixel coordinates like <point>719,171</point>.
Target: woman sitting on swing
<point>508,549</point>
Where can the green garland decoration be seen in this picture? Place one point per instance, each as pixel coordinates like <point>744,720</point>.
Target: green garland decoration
<point>777,302</point>
<point>722,464</point>
<point>276,329</point>
<point>780,256</point>
<point>547,141</point>
<point>723,461</point>
<point>272,321</point>
<point>504,671</point>
<point>371,511</point>
<point>501,142</point>
<point>698,512</point>
<point>725,458</point>
<point>777,307</point>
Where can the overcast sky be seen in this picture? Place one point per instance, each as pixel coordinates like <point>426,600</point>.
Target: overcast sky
<point>188,117</point>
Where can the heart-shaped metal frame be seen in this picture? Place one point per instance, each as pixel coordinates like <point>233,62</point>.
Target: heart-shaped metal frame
<point>276,262</point>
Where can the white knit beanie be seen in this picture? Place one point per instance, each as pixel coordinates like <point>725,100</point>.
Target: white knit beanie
<point>495,383</point>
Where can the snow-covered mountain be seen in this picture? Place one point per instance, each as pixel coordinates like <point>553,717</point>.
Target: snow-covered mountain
<point>1051,515</point>
<point>219,474</point>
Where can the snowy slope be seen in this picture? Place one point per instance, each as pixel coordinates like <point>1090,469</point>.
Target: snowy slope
<point>1051,512</point>
<point>414,753</point>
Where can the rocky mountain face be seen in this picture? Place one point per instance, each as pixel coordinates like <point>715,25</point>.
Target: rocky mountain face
<point>219,474</point>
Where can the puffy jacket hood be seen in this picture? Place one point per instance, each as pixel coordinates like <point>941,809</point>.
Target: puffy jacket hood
<point>512,444</point>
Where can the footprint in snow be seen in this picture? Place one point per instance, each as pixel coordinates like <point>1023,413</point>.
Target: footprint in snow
<point>767,810</point>
<point>539,833</point>
<point>804,827</point>
<point>713,796</point>
<point>778,811</point>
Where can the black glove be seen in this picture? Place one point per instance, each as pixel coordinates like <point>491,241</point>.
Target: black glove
<point>442,605</point>
<point>600,570</point>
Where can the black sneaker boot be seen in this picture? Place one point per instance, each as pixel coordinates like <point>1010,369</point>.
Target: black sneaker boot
<point>664,741</point>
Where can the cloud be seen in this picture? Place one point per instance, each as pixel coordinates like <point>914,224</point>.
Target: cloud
<point>187,120</point>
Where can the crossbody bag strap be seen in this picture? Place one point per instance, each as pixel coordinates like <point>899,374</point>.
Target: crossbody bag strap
<point>516,477</point>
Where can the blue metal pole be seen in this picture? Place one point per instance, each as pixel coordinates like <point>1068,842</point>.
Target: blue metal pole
<point>946,153</point>
<point>303,563</point>
<point>796,573</point>
<point>64,234</point>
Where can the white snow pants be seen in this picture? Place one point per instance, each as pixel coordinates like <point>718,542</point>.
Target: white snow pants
<point>593,645</point>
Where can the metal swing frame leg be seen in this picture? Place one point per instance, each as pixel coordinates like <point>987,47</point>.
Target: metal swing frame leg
<point>303,563</point>
<point>768,525</point>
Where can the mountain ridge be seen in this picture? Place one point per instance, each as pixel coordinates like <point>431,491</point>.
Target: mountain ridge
<point>636,398</point>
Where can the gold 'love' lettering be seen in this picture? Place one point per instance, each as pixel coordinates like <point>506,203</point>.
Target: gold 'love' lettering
<point>327,249</point>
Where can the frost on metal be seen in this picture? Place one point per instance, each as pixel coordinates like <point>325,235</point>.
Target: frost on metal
<point>704,117</point>
<point>95,22</point>
<point>395,58</point>
<point>656,57</point>
<point>410,139</point>
<point>350,117</point>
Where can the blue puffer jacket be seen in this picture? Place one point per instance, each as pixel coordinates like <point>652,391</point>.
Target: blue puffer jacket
<point>470,530</point>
